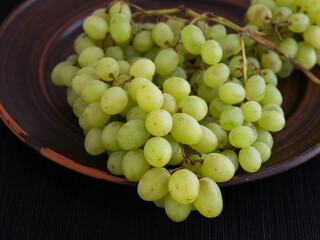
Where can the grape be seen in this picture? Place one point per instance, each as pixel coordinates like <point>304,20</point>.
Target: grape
<point>192,39</point>
<point>93,91</point>
<point>289,46</point>
<point>233,157</point>
<point>176,211</point>
<point>120,7</point>
<point>130,51</point>
<point>136,113</point>
<point>286,3</point>
<point>109,135</point>
<point>209,202</point>
<point>269,3</point>
<point>176,156</point>
<point>175,24</point>
<point>115,52</point>
<point>216,75</point>
<point>273,107</point>
<point>231,93</point>
<point>231,117</point>
<point>101,12</point>
<point>95,27</point>
<point>241,137</point>
<point>82,42</point>
<point>78,106</point>
<point>72,97</point>
<point>83,123</point>
<point>218,167</point>
<point>269,76</point>
<point>272,61</point>
<point>177,87</point>
<point>184,186</point>
<point>264,136</point>
<point>120,28</point>
<point>124,67</point>
<point>159,122</point>
<point>236,61</point>
<point>251,111</point>
<point>250,159</point>
<point>306,55</point>
<point>143,41</point>
<point>263,149</point>
<point>56,73</point>
<point>194,106</point>
<point>134,165</point>
<point>230,45</point>
<point>159,202</point>
<point>115,162</point>
<point>154,184</point>
<point>220,133</point>
<point>114,100</point>
<point>90,55</point>
<point>94,116</point>
<point>136,84</point>
<point>259,14</point>
<point>286,70</point>
<point>149,97</point>
<point>186,129</point>
<point>143,68</point>
<point>272,121</point>
<point>217,106</point>
<point>207,93</point>
<point>108,69</point>
<point>157,151</point>
<point>211,52</point>
<point>131,104</point>
<point>162,35</point>
<point>166,61</point>
<point>178,72</point>
<point>216,32</point>
<point>208,142</point>
<point>282,13</point>
<point>88,71</point>
<point>299,22</point>
<point>132,135</point>
<point>92,142</point>
<point>79,81</point>
<point>272,95</point>
<point>67,73</point>
<point>247,40</point>
<point>255,88</point>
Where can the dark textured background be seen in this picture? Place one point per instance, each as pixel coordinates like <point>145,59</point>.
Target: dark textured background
<point>42,200</point>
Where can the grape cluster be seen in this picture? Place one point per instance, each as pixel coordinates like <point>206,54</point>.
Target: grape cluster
<point>180,103</point>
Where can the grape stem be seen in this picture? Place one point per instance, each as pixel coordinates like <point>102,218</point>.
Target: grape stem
<point>257,36</point>
<point>245,62</point>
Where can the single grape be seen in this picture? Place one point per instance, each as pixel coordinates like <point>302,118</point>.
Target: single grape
<point>177,87</point>
<point>114,100</point>
<point>299,22</point>
<point>176,156</point>
<point>306,55</point>
<point>264,150</point>
<point>231,117</point>
<point>166,61</point>
<point>264,136</point>
<point>289,46</point>
<point>230,45</point>
<point>272,61</point>
<point>162,35</point>
<point>217,106</point>
<point>101,12</point>
<point>169,103</point>
<point>115,52</point>
<point>82,42</point>
<point>282,13</point>
<point>72,97</point>
<point>216,32</point>
<point>241,137</point>
<point>208,143</point>
<point>67,73</point>
<point>108,69</point>
<point>95,27</point>
<point>159,122</point>
<point>92,143</point>
<point>233,157</point>
<point>93,91</point>
<point>192,39</point>
<point>211,52</point>
<point>207,93</point>
<point>216,75</point>
<point>251,111</point>
<point>273,107</point>
<point>109,135</point>
<point>194,106</point>
<point>143,68</point>
<point>149,97</point>
<point>114,164</point>
<point>176,211</point>
<point>136,84</point>
<point>143,41</point>
<point>269,76</point>
<point>272,121</point>
<point>157,151</point>
<point>159,202</point>
<point>255,88</point>
<point>94,116</point>
<point>250,159</point>
<point>124,67</point>
<point>286,70</point>
<point>231,93</point>
<point>78,106</point>
<point>120,7</point>
<point>272,95</point>
<point>83,123</point>
<point>90,55</point>
<point>175,24</point>
<point>259,14</point>
<point>56,73</point>
<point>136,113</point>
<point>134,165</point>
<point>88,71</point>
<point>120,28</point>
<point>220,133</point>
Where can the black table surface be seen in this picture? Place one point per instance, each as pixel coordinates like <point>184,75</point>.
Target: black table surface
<point>42,200</point>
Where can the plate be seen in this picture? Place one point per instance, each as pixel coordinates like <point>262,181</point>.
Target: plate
<point>39,34</point>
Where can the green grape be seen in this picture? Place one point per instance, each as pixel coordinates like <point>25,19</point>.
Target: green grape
<point>272,61</point>
<point>143,41</point>
<point>250,159</point>
<point>264,136</point>
<point>166,61</point>
<point>299,22</point>
<point>134,165</point>
<point>114,100</point>
<point>92,142</point>
<point>289,46</point>
<point>79,81</point>
<point>232,93</point>
<point>78,106</point>
<point>131,104</point>
<point>94,116</point>
<point>152,53</point>
<point>208,142</point>
<point>306,55</point>
<point>132,60</point>
<point>109,136</point>
<point>83,123</point>
<point>95,27</point>
<point>169,103</point>
<point>220,133</point>
<point>120,28</point>
<point>281,14</point>
<point>231,117</point>
<point>82,42</point>
<point>154,184</point>
<point>263,149</point>
<point>272,95</point>
<point>273,107</point>
<point>93,91</point>
<point>184,186</point>
<point>216,75</point>
<point>195,166</point>
<point>178,72</point>
<point>132,135</point>
<point>251,111</point>
<point>241,137</point>
<point>176,211</point>
<point>253,128</point>
<point>247,40</point>
<point>67,73</point>
<point>149,97</point>
<point>186,129</point>
<point>159,122</point>
<point>89,71</point>
<point>136,84</point>
<point>144,68</point>
<point>115,52</point>
<point>255,88</point>
<point>286,3</point>
<point>230,45</point>
<point>108,69</point>
<point>73,59</point>
<point>272,121</point>
<point>270,77</point>
<point>269,3</point>
<point>120,7</point>
<point>72,97</point>
<point>209,202</point>
<point>124,67</point>
<point>286,70</point>
<point>207,93</point>
<point>211,52</point>
<point>159,203</point>
<point>101,12</point>
<point>114,163</point>
<point>157,151</point>
<point>162,35</point>
<point>233,157</point>
<point>177,87</point>
<point>218,167</point>
<point>131,51</point>
<point>176,156</point>
<point>216,32</point>
<point>192,39</point>
<point>217,106</point>
<point>136,113</point>
<point>236,61</point>
<point>259,14</point>
<point>194,106</point>
<point>90,55</point>
<point>56,73</point>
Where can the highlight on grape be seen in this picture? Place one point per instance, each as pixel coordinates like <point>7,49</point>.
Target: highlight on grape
<point>177,103</point>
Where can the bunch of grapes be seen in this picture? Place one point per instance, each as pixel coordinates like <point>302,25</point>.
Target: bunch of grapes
<point>178,103</point>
